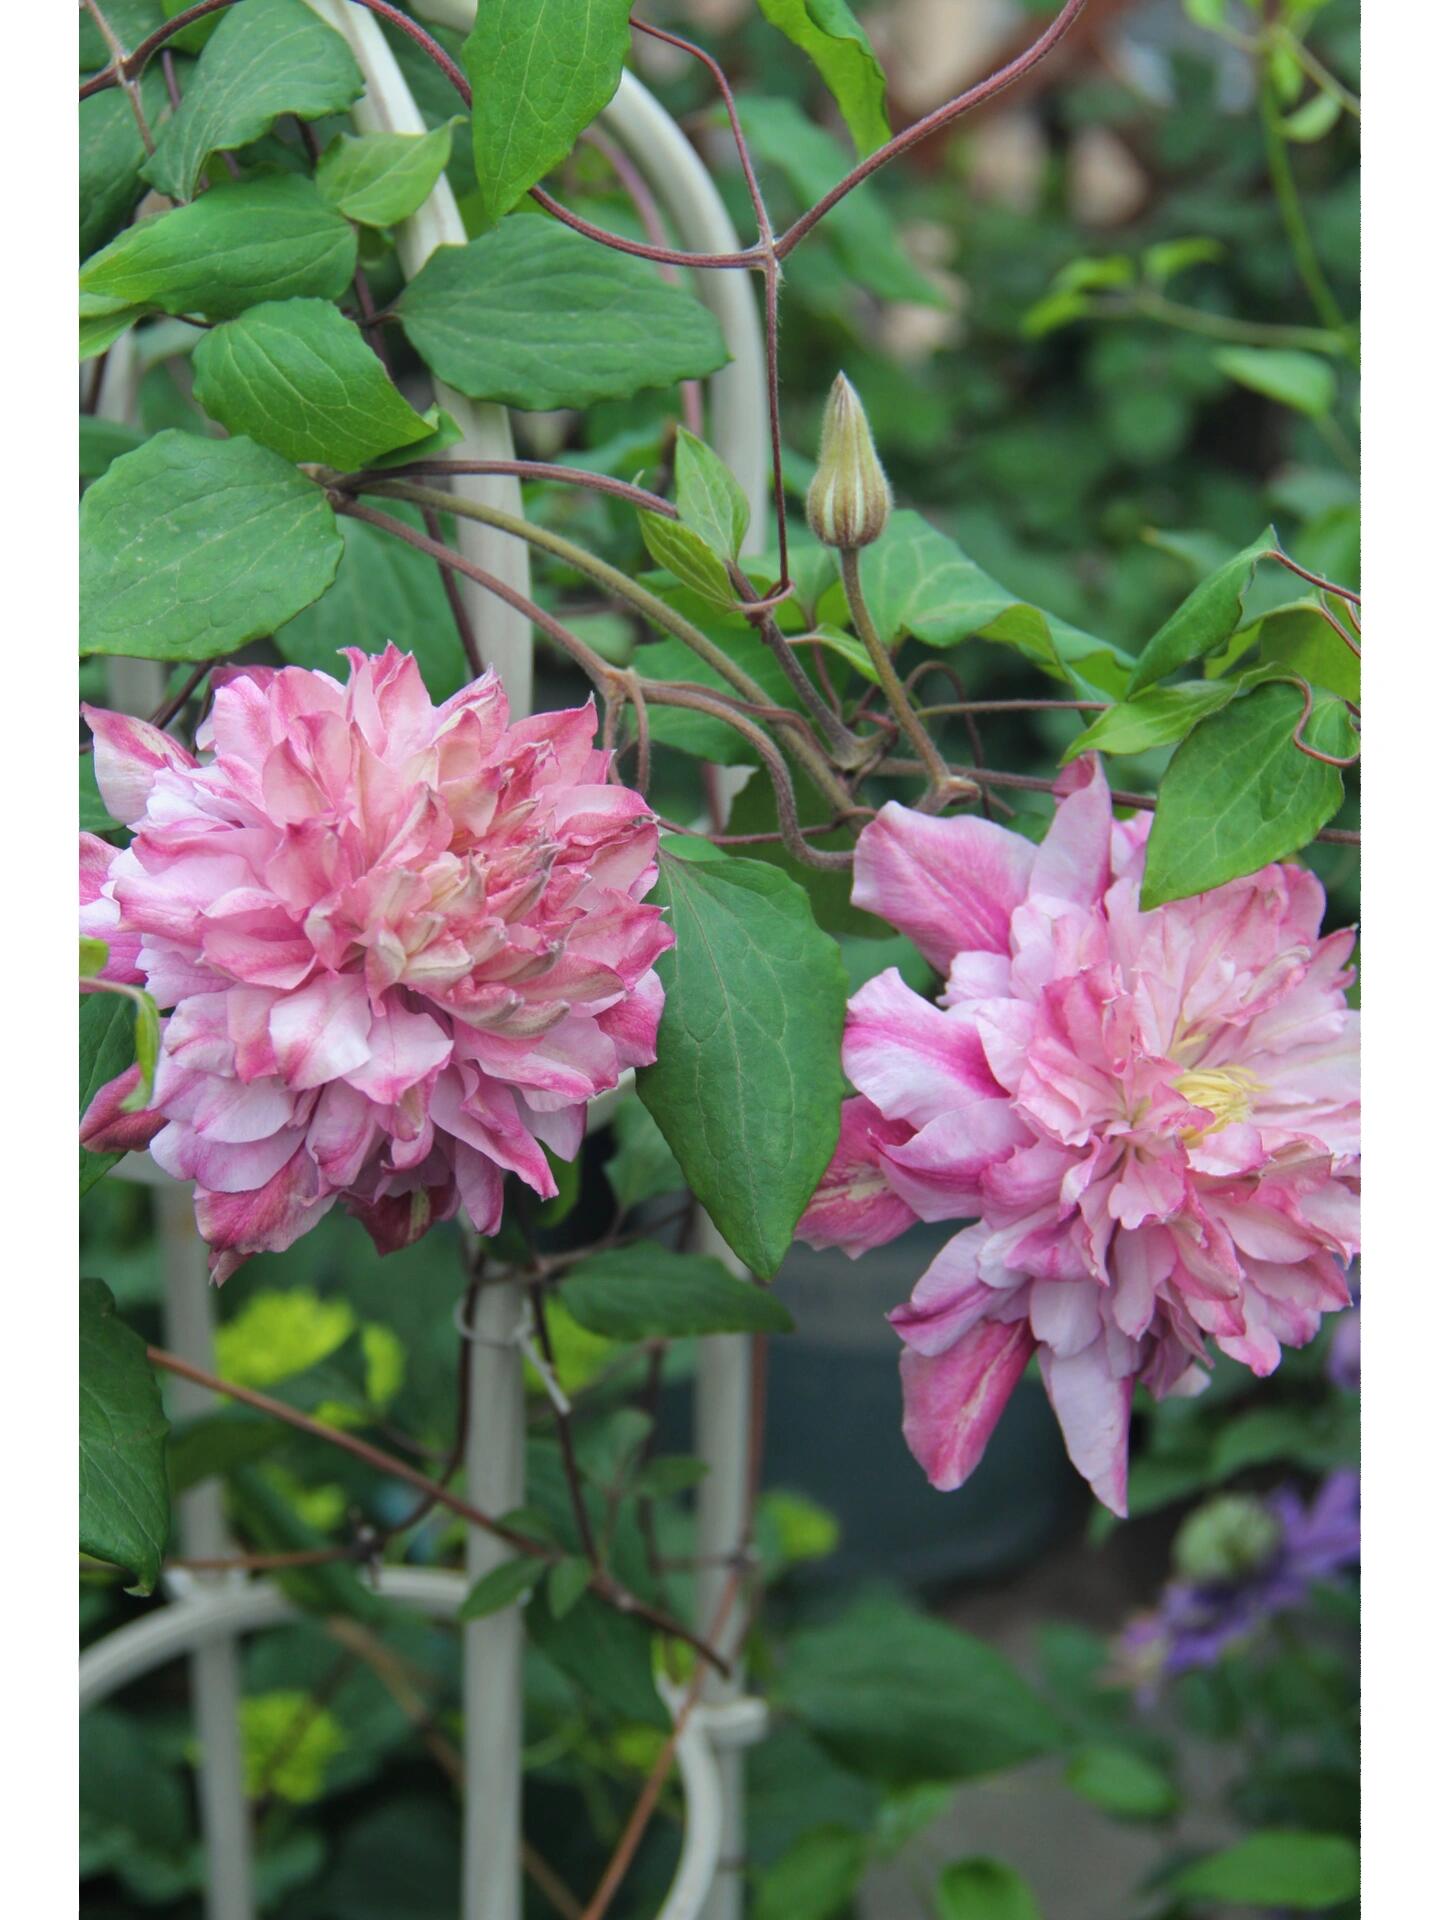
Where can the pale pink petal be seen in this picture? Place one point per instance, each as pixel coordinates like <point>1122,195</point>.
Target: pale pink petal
<point>855,1207</point>
<point>1072,866</point>
<point>938,1173</point>
<point>1093,1408</point>
<point>951,885</point>
<point>105,1128</point>
<point>948,1299</point>
<point>910,1059</point>
<point>322,1031</point>
<point>128,755</point>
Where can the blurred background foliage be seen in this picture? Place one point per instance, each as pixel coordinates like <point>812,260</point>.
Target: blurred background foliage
<point>1105,332</point>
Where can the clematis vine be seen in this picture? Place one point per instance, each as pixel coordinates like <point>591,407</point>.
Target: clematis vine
<point>1150,1118</point>
<point>402,946</point>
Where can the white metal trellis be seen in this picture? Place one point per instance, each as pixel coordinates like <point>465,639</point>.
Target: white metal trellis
<point>205,1616</point>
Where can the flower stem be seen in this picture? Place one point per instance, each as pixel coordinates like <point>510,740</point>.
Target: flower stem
<point>943,784</point>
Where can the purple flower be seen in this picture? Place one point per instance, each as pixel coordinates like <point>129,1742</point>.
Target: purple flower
<point>1254,1560</point>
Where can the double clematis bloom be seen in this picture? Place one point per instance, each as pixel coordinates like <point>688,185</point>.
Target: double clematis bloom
<point>1152,1119</point>
<point>403,946</point>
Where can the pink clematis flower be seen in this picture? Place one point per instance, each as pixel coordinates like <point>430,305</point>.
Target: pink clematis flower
<point>403,946</point>
<point>1151,1118</point>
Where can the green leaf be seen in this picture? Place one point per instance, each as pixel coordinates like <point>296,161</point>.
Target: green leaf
<point>642,1165</point>
<point>1300,380</point>
<point>980,1889</point>
<point>1276,1868</point>
<point>1122,1782</point>
<point>384,590</point>
<point>111,156</point>
<point>1155,718</point>
<point>859,228</point>
<point>918,582</point>
<point>672,1473</point>
<point>191,547</point>
<point>834,39</point>
<point>569,1579</point>
<point>93,955</point>
<point>606,1653</point>
<point>904,1698</point>
<point>1237,794</point>
<point>688,557</point>
<point>245,241</point>
<point>1299,639</point>
<point>1168,257</point>
<point>708,497</point>
<point>124,1498</point>
<point>107,1048</point>
<point>1093,275</point>
<point>537,316</point>
<point>502,1586</point>
<point>697,733</point>
<point>380,179</point>
<point>297,376</point>
<point>217,1443</point>
<point>102,321</point>
<point>753,811</point>
<point>443,433</point>
<point>816,1880</point>
<point>266,58</point>
<point>747,1086</point>
<point>1204,620</point>
<point>102,441</point>
<point>647,1292</point>
<point>541,71</point>
<point>1314,120</point>
<point>288,1739</point>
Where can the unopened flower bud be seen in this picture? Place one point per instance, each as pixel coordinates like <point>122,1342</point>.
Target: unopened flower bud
<point>1225,1540</point>
<point>849,499</point>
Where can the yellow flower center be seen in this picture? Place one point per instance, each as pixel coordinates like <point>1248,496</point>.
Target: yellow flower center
<point>1227,1091</point>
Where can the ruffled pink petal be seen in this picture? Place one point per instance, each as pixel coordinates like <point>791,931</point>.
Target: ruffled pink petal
<point>265,1219</point>
<point>129,753</point>
<point>322,1031</point>
<point>939,1172</point>
<point>951,885</point>
<point>1093,1408</point>
<point>910,1059</point>
<point>105,1128</point>
<point>855,1207</point>
<point>1072,866</point>
<point>949,1297</point>
<point>953,1400</point>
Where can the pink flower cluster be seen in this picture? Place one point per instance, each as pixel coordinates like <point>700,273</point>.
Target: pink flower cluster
<point>403,946</point>
<point>1152,1119</point>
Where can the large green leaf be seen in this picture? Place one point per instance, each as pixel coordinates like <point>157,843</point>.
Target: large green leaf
<point>1239,793</point>
<point>107,1048</point>
<point>537,316</point>
<point>1299,638</point>
<point>111,155</point>
<point>708,497</point>
<point>817,1879</point>
<point>919,582</point>
<point>840,48</point>
<point>1276,1868</point>
<point>245,241</point>
<point>381,178</point>
<point>190,547</point>
<point>979,1889</point>
<point>647,1292</point>
<point>297,376</point>
<point>384,590</point>
<point>605,1652</point>
<point>124,1498</point>
<point>267,57</point>
<point>541,70</point>
<point>1204,620</point>
<point>904,1698</point>
<point>747,1086</point>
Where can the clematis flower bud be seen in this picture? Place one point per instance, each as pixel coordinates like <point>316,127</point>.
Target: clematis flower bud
<point>849,499</point>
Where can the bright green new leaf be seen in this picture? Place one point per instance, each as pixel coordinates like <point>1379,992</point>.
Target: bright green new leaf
<point>537,316</point>
<point>191,547</point>
<point>1122,1782</point>
<point>834,39</point>
<point>1239,793</point>
<point>647,1292</point>
<point>297,376</point>
<point>1092,274</point>
<point>1204,620</point>
<point>708,497</point>
<point>245,241</point>
<point>1300,380</point>
<point>904,1698</point>
<point>383,590</point>
<point>124,1498</point>
<point>541,71</point>
<point>747,1086</point>
<point>107,1048</point>
<point>288,1739</point>
<point>816,1879</point>
<point>1155,718</point>
<point>93,955</point>
<point>1168,257</point>
<point>688,556</point>
<point>266,58</point>
<point>979,1889</point>
<point>502,1586</point>
<point>380,179</point>
<point>1314,120</point>
<point>1276,1868</point>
